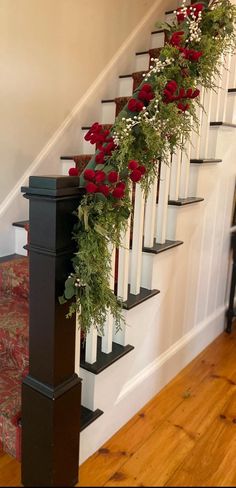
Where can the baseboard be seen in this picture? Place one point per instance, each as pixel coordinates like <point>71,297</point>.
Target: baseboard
<point>145,385</point>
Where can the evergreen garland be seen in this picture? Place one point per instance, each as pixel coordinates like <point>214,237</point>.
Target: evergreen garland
<point>157,120</point>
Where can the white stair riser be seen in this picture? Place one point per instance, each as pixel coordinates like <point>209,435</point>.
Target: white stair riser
<point>66,165</point>
<point>20,241</point>
<point>142,62</point>
<point>231,108</point>
<point>125,88</point>
<point>157,40</point>
<point>108,113</point>
<point>87,148</point>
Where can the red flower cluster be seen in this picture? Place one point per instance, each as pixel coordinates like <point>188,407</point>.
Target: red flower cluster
<point>137,171</point>
<point>176,38</point>
<point>194,11</point>
<point>135,105</point>
<point>191,54</point>
<point>146,93</point>
<point>96,183</point>
<point>98,135</point>
<point>171,95</point>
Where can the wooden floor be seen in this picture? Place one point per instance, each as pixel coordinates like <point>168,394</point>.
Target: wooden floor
<point>186,436</point>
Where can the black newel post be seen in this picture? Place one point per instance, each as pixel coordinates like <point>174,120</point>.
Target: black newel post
<point>231,313</point>
<point>51,393</point>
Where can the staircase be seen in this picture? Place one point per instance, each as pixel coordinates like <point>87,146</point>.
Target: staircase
<point>170,272</point>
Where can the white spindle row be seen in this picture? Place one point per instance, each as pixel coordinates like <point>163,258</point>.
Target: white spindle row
<point>149,219</point>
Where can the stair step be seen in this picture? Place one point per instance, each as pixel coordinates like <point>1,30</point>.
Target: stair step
<point>135,300</point>
<point>119,102</point>
<point>232,90</point>
<point>158,248</point>
<point>22,224</point>
<point>185,201</point>
<point>222,124</point>
<point>104,360</point>
<point>205,161</point>
<point>80,161</point>
<point>88,417</point>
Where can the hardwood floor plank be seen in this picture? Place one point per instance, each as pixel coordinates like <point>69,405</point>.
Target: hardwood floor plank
<point>98,469</point>
<point>185,436</point>
<point>212,461</point>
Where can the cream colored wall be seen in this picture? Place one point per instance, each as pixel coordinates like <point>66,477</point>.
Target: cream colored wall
<point>50,53</point>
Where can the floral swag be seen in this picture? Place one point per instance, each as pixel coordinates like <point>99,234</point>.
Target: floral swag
<point>157,120</point>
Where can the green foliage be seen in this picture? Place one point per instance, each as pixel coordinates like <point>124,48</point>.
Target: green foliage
<point>102,221</point>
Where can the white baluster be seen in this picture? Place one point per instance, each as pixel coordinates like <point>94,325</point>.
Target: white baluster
<point>91,346</point>
<point>216,95</point>
<point>163,203</point>
<point>232,75</point>
<point>123,267</point>
<point>224,88</point>
<point>185,169</point>
<point>175,175</point>
<point>205,127</point>
<point>137,242</point>
<point>196,135</point>
<point>150,216</point>
<point>77,345</point>
<point>108,327</point>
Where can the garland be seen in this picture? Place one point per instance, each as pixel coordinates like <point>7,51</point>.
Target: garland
<point>157,120</point>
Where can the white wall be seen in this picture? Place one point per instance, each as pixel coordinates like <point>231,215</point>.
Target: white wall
<point>51,51</point>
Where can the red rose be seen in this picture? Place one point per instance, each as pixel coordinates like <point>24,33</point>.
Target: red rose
<point>100,158</point>
<point>89,174</point>
<point>135,106</point>
<point>109,148</point>
<point>133,164</point>
<point>195,55</point>
<point>104,189</point>
<point>196,93</point>
<point>168,97</point>
<point>132,105</point>
<point>118,193</point>
<point>73,172</point>
<point>121,184</point>
<point>196,9</point>
<point>180,15</point>
<point>113,177</point>
<point>189,93</point>
<point>100,176</point>
<point>181,93</point>
<point>176,38</point>
<point>136,175</point>
<point>91,188</point>
<point>146,87</point>
<point>146,96</point>
<point>183,107</point>
<point>94,127</point>
<point>142,170</point>
<point>171,86</point>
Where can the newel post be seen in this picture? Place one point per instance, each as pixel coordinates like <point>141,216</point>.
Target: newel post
<point>51,393</point>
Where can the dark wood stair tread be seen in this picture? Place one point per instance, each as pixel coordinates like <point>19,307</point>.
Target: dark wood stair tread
<point>87,417</point>
<point>232,90</point>
<point>104,360</point>
<point>135,300</point>
<point>21,223</point>
<point>222,124</point>
<point>185,201</point>
<point>205,161</point>
<point>158,248</point>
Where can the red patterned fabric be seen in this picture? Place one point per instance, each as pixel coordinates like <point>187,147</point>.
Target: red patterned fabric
<point>14,316</point>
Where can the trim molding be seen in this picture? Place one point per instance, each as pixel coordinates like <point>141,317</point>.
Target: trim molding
<point>171,353</point>
<point>78,107</point>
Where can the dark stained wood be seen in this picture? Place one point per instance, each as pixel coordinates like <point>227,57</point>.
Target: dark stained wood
<point>104,360</point>
<point>134,300</point>
<point>185,201</point>
<point>51,393</point>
